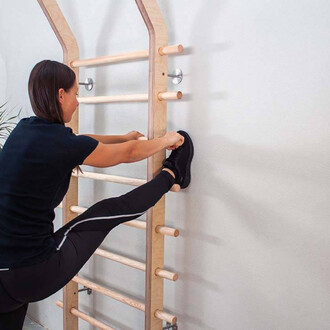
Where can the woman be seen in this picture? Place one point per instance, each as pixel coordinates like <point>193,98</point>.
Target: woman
<point>35,170</point>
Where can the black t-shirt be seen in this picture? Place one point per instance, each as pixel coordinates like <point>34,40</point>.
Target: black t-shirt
<point>35,169</point>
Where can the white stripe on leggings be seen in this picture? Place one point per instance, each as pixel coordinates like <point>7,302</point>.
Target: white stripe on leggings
<point>97,218</point>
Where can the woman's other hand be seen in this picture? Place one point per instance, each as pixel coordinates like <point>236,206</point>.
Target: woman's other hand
<point>134,135</point>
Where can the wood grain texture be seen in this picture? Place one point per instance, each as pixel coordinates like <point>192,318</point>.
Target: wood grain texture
<point>135,264</point>
<point>164,230</point>
<point>70,53</point>
<point>87,318</point>
<point>157,126</point>
<point>131,56</point>
<point>128,98</point>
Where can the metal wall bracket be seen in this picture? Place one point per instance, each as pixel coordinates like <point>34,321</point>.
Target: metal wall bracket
<point>89,83</point>
<point>170,326</point>
<point>176,75</point>
<point>89,291</point>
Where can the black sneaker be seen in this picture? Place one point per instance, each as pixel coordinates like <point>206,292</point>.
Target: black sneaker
<point>179,161</point>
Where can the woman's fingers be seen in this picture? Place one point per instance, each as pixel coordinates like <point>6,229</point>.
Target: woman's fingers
<point>177,144</point>
<point>134,135</point>
<point>180,142</point>
<point>174,139</point>
<point>140,135</point>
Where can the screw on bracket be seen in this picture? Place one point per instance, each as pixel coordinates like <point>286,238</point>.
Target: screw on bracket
<point>88,83</point>
<point>89,291</point>
<point>176,76</point>
<point>170,326</point>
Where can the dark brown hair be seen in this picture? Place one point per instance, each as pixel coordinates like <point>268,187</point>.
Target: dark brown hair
<point>46,78</point>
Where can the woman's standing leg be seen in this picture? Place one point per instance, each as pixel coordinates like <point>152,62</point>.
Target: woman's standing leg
<point>13,320</point>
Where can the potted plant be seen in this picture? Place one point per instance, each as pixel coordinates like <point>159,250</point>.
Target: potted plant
<point>6,124</point>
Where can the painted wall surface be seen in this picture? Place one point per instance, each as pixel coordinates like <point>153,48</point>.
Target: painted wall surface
<point>254,247</point>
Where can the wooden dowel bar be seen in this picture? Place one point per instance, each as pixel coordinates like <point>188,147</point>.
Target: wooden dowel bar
<point>167,231</point>
<point>133,223</point>
<point>166,274</point>
<point>110,293</point>
<point>124,299</point>
<point>111,59</point>
<point>113,99</point>
<point>110,178</point>
<point>168,50</point>
<point>170,96</point>
<point>166,96</point>
<point>78,209</point>
<point>87,318</point>
<point>123,260</point>
<point>166,317</point>
<point>136,224</point>
<point>135,264</point>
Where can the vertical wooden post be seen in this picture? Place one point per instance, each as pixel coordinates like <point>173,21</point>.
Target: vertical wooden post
<point>70,53</point>
<point>157,125</point>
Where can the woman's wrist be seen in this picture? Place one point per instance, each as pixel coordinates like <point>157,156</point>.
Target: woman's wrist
<point>164,142</point>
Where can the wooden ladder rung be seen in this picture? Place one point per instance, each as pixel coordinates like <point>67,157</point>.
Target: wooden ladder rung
<point>87,318</point>
<point>168,50</point>
<point>110,178</point>
<point>117,179</point>
<point>135,264</point>
<point>166,316</point>
<point>133,223</point>
<point>124,299</point>
<point>110,293</point>
<point>128,98</point>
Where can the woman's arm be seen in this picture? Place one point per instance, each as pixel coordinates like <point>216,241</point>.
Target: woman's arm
<point>105,155</point>
<point>111,139</point>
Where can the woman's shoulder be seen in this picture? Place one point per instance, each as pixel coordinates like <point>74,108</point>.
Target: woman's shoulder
<point>42,123</point>
<point>38,120</point>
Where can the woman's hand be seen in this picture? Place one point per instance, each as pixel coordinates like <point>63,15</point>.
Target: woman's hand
<point>174,140</point>
<point>134,135</point>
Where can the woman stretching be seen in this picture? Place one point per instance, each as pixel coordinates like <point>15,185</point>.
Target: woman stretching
<point>35,169</point>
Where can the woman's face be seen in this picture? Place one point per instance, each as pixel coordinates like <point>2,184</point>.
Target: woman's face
<point>68,101</point>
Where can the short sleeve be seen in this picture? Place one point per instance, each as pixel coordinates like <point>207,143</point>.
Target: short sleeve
<point>78,148</point>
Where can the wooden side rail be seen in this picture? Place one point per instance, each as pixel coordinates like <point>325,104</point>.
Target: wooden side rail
<point>169,50</point>
<point>124,299</point>
<point>128,98</point>
<point>87,318</point>
<point>157,126</point>
<point>135,264</point>
<point>70,49</point>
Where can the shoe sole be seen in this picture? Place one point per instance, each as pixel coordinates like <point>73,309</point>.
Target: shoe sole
<point>187,179</point>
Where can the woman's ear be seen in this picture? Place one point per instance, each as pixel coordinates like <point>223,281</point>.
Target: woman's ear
<point>61,95</point>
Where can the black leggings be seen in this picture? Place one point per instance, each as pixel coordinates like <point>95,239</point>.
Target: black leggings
<point>76,241</point>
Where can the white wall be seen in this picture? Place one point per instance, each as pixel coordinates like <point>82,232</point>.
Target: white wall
<point>254,247</point>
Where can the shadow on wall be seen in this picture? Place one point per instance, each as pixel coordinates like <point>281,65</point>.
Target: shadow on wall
<point>264,223</point>
<point>206,181</point>
<point>3,80</point>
